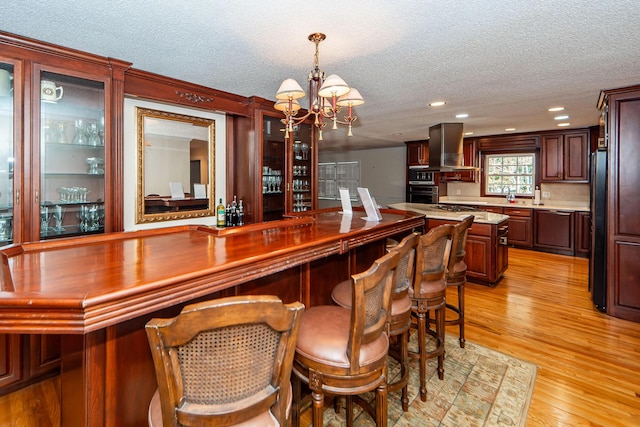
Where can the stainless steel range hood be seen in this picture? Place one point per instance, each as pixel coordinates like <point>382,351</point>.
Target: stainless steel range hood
<point>446,149</point>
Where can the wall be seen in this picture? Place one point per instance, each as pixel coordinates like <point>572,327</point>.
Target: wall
<point>131,163</point>
<point>382,171</point>
<point>560,192</point>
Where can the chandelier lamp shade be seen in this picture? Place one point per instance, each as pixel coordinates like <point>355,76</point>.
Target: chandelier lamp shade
<point>327,95</point>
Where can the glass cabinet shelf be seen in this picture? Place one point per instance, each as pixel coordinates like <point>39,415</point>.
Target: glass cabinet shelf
<point>72,165</point>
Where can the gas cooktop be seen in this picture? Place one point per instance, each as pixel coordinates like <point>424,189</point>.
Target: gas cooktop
<point>457,208</point>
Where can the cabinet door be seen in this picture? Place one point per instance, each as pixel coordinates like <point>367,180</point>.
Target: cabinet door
<point>552,157</point>
<point>554,230</point>
<point>274,169</point>
<point>9,103</point>
<point>44,353</point>
<point>417,153</point>
<point>519,227</point>
<point>583,233</point>
<point>576,157</point>
<point>71,190</point>
<point>10,356</point>
<point>468,159</point>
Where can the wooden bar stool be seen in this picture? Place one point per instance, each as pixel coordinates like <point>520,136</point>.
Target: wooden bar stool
<point>457,273</point>
<point>224,362</point>
<point>344,351</point>
<point>429,294</point>
<point>400,321</point>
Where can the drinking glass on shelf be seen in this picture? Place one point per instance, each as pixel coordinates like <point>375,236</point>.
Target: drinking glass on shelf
<point>58,217</point>
<point>80,137</point>
<point>45,217</point>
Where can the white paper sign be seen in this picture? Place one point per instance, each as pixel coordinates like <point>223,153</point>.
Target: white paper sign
<point>370,206</point>
<point>346,201</point>
<point>176,190</point>
<point>199,191</point>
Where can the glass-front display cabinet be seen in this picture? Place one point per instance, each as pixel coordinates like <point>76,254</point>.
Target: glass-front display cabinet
<point>287,169</point>
<point>72,155</point>
<point>7,156</point>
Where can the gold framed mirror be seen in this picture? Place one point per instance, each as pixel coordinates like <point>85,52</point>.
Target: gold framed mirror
<point>175,171</point>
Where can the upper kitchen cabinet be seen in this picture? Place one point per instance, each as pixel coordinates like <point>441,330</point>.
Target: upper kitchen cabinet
<point>565,157</point>
<point>469,156</point>
<point>417,153</point>
<point>60,147</point>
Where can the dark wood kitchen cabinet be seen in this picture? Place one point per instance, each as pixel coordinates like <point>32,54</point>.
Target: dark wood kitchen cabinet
<point>486,252</point>
<point>468,159</point>
<point>417,153</point>
<point>583,234</point>
<point>554,231</point>
<point>520,222</point>
<point>565,157</point>
<point>621,108</point>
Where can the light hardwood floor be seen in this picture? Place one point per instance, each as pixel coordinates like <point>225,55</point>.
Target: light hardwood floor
<point>589,363</point>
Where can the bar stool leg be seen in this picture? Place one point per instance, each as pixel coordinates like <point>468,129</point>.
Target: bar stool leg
<point>422,350</point>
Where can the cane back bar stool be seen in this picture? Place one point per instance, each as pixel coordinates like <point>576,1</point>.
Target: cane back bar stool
<point>457,273</point>
<point>429,294</point>
<point>400,320</point>
<point>225,362</point>
<point>344,351</point>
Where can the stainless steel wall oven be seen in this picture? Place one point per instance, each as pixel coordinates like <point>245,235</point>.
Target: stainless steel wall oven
<point>419,193</point>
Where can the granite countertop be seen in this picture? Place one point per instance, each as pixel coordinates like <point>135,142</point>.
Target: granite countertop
<point>431,212</point>
<point>575,206</point>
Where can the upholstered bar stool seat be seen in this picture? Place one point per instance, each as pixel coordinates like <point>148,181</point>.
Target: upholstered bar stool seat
<point>400,320</point>
<point>343,351</point>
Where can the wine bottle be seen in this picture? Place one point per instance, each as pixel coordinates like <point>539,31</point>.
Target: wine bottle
<point>221,214</point>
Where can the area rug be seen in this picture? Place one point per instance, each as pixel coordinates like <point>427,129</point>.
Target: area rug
<point>481,387</point>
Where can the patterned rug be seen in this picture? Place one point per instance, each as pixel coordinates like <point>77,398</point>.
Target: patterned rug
<point>481,387</point>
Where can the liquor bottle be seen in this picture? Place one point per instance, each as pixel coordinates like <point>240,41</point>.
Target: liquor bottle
<point>240,214</point>
<point>228,215</point>
<point>221,219</point>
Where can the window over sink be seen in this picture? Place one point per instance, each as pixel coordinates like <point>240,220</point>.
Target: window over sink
<point>509,174</point>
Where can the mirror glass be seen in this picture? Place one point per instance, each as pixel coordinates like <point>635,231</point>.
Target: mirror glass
<point>175,166</point>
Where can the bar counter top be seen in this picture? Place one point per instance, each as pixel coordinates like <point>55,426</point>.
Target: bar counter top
<point>79,285</point>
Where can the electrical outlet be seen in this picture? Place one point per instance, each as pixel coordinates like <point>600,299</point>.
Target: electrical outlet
<point>458,192</point>
<point>546,194</point>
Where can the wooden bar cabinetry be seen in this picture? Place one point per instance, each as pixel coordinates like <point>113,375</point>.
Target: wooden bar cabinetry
<point>62,148</point>
<point>275,177</point>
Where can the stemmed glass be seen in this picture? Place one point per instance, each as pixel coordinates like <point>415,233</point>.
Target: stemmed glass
<point>45,217</point>
<point>58,217</point>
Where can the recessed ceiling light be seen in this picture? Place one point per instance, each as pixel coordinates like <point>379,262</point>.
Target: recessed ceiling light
<point>462,116</point>
<point>437,104</point>
<point>510,129</point>
<point>564,124</point>
<point>560,117</point>
<point>468,133</point>
<point>397,134</point>
<point>556,109</point>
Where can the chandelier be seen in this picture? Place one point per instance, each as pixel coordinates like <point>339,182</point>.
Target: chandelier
<point>326,97</point>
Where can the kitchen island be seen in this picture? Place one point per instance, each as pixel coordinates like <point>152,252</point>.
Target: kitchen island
<point>98,292</point>
<point>486,250</point>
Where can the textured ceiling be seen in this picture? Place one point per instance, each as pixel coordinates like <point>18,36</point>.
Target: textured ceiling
<point>503,62</point>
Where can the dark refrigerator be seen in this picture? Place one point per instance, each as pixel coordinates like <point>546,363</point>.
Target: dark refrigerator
<point>598,258</point>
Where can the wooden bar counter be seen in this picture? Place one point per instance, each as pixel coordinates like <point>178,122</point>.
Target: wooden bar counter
<point>98,292</point>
